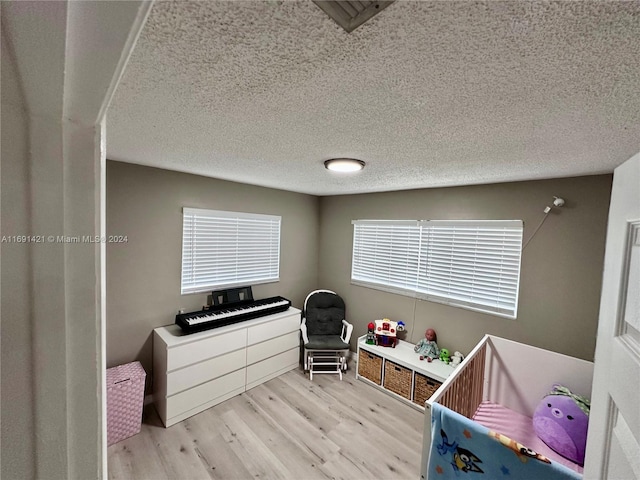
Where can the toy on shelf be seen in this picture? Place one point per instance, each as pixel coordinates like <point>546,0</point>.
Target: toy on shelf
<point>428,346</point>
<point>445,356</point>
<point>371,338</point>
<point>456,359</point>
<point>386,332</point>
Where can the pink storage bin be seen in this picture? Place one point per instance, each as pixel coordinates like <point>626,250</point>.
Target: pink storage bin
<point>125,397</point>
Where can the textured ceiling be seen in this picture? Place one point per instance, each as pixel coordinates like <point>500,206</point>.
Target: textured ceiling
<point>428,93</point>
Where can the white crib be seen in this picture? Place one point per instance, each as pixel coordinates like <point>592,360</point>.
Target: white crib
<point>508,373</point>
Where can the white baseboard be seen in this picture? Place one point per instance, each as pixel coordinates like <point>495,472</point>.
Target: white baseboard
<point>353,359</point>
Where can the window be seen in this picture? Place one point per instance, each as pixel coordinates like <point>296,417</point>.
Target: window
<point>473,264</point>
<point>225,249</point>
<point>386,253</point>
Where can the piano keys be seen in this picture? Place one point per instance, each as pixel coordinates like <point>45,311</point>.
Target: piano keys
<point>230,306</point>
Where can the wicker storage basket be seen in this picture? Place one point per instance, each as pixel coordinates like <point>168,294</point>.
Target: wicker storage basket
<point>397,379</point>
<point>125,397</point>
<point>370,366</point>
<point>423,388</point>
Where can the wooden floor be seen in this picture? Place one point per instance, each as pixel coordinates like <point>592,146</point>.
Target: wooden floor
<point>288,428</point>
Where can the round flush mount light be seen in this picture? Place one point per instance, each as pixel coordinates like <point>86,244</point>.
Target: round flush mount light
<point>344,165</point>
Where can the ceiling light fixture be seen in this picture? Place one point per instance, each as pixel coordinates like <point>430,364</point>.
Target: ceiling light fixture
<point>344,165</point>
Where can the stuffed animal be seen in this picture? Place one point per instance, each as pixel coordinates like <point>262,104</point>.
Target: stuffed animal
<point>445,356</point>
<point>561,420</point>
<point>456,359</point>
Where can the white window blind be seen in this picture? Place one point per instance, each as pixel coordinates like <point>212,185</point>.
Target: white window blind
<point>386,253</point>
<point>224,249</point>
<point>473,264</point>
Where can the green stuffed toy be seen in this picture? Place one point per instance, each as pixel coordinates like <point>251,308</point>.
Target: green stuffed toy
<point>444,356</point>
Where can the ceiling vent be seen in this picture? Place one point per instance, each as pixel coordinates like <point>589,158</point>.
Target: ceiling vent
<point>350,14</point>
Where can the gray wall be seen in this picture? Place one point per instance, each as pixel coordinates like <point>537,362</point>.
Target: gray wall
<point>561,271</point>
<point>561,267</point>
<point>18,443</point>
<point>143,275</point>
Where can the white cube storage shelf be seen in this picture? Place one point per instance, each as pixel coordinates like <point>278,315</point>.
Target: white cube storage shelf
<point>194,372</point>
<point>400,369</point>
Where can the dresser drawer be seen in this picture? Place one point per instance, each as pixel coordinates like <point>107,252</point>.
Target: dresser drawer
<point>277,364</point>
<point>207,392</point>
<point>206,348</point>
<point>260,351</point>
<point>275,328</point>
<point>184,378</point>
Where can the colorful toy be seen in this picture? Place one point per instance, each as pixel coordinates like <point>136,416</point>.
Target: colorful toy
<point>386,332</point>
<point>456,359</point>
<point>428,346</point>
<point>561,421</point>
<point>519,449</point>
<point>371,338</point>
<point>445,356</point>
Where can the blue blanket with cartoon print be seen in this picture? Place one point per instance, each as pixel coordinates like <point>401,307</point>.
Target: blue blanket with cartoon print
<point>462,448</point>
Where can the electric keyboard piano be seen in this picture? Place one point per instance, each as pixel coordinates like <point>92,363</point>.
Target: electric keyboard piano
<point>230,312</point>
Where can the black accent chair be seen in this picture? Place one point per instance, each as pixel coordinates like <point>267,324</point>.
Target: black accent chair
<point>325,333</point>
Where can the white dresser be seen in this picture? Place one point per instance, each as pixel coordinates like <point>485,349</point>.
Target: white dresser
<point>194,372</point>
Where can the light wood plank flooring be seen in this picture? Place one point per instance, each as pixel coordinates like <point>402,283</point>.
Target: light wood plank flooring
<point>287,428</point>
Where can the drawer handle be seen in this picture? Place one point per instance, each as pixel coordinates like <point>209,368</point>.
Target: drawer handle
<point>398,369</point>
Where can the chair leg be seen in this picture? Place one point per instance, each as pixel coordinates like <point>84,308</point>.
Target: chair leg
<point>324,360</point>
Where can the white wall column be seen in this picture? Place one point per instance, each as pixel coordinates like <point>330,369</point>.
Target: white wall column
<point>18,439</point>
<point>83,169</point>
<point>64,60</point>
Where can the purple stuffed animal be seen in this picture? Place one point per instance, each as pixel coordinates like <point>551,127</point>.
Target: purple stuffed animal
<point>561,420</point>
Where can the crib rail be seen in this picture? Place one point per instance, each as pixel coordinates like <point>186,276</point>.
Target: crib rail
<point>463,391</point>
<point>500,370</point>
